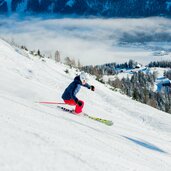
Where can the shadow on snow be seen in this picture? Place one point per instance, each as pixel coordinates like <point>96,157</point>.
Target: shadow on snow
<point>145,144</point>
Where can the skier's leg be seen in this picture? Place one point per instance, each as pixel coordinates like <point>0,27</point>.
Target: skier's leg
<point>70,102</point>
<point>78,109</point>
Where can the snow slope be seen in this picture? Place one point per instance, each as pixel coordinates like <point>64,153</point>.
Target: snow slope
<point>36,137</point>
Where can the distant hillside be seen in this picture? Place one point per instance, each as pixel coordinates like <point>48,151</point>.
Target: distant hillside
<point>104,8</point>
<point>148,85</point>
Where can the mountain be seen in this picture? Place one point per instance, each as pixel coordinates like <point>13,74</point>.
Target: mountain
<point>42,137</point>
<point>103,8</point>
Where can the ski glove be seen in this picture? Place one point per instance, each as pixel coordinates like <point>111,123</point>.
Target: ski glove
<point>79,103</point>
<point>92,88</point>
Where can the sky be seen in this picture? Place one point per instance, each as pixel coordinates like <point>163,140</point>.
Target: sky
<point>41,137</point>
<point>92,41</point>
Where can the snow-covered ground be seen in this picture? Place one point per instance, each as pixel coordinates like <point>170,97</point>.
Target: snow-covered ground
<point>36,137</point>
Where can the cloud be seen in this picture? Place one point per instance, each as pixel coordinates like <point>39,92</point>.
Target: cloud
<point>93,41</point>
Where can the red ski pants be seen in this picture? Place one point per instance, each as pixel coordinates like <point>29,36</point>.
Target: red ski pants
<point>78,109</point>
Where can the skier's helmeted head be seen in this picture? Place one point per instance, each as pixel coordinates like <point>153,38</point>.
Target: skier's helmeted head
<point>83,77</point>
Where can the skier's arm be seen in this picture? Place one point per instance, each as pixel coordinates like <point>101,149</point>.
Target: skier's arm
<point>89,86</point>
<point>86,85</point>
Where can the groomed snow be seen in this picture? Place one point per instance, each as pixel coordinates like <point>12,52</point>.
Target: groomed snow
<point>36,137</point>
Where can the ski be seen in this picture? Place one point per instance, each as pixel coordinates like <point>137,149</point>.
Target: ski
<point>66,110</point>
<point>104,121</point>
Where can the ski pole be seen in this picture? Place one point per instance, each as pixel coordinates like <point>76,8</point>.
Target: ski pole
<point>50,103</point>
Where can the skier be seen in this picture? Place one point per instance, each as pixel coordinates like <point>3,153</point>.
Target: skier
<point>69,95</point>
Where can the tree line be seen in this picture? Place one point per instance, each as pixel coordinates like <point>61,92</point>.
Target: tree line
<point>109,68</point>
<point>141,88</point>
<point>162,64</point>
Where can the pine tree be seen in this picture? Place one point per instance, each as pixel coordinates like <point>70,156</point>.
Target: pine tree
<point>57,56</point>
<point>67,61</point>
<point>79,64</point>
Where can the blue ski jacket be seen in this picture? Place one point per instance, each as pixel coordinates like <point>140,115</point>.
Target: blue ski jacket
<point>73,88</point>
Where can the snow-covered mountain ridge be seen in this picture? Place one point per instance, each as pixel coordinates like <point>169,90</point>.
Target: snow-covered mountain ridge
<point>38,137</point>
<point>106,8</point>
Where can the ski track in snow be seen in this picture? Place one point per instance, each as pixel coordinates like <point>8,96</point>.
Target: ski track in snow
<point>42,137</point>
